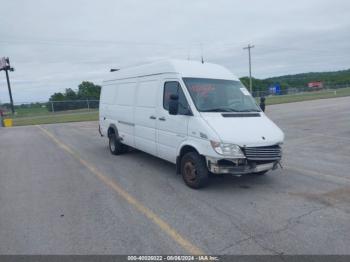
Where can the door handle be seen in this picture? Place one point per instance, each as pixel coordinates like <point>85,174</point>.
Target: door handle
<point>152,117</point>
<point>162,119</point>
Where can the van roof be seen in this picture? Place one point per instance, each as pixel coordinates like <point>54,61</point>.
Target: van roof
<point>185,68</point>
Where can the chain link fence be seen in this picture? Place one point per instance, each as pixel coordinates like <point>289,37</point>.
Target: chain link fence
<point>24,109</point>
<point>86,105</point>
<point>299,90</point>
<point>56,106</point>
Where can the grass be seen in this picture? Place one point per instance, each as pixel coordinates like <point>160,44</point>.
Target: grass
<point>52,118</point>
<point>272,100</point>
<point>42,111</point>
<point>34,111</point>
<point>40,115</point>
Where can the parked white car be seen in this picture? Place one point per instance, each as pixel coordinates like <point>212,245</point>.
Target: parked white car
<point>197,116</point>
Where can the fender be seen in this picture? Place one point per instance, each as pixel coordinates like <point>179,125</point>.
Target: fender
<point>198,144</point>
<point>114,127</point>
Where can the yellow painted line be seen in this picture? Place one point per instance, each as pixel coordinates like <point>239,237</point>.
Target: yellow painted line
<point>164,226</point>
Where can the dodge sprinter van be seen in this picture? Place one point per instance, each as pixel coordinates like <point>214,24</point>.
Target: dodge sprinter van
<point>197,116</point>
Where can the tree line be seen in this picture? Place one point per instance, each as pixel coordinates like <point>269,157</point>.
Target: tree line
<point>86,90</point>
<point>329,79</point>
<point>75,99</point>
<point>70,99</point>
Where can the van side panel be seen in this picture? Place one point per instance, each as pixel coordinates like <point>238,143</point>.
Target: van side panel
<point>146,115</point>
<point>107,99</point>
<point>121,111</point>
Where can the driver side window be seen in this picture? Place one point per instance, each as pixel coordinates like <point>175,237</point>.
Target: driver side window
<point>174,88</point>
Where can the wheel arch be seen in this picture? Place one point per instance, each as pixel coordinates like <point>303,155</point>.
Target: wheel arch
<point>182,150</point>
<point>112,129</point>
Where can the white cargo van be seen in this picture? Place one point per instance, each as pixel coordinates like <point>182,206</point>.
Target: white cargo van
<point>197,116</point>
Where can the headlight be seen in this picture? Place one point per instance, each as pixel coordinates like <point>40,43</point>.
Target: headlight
<point>227,149</point>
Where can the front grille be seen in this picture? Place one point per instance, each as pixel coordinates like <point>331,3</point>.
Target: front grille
<point>263,153</point>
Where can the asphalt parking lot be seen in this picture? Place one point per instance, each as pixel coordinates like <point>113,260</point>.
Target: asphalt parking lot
<point>62,192</point>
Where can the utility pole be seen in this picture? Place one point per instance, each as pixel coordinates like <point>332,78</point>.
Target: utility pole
<point>250,67</point>
<point>202,58</point>
<point>5,65</point>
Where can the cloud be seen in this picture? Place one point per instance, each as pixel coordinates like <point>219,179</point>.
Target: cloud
<point>57,44</point>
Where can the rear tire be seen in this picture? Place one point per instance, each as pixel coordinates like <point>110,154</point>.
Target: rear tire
<point>115,146</point>
<point>194,170</point>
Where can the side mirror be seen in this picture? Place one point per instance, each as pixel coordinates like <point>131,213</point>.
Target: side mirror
<point>174,104</point>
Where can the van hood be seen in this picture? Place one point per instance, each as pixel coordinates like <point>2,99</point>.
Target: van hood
<point>243,130</point>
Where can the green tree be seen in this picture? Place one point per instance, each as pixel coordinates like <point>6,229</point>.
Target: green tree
<point>70,94</point>
<point>68,99</point>
<point>57,97</point>
<point>88,90</point>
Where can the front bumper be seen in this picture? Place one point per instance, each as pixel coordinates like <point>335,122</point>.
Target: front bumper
<point>239,166</point>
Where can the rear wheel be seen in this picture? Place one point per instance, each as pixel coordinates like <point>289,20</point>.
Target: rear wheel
<point>194,170</point>
<point>115,146</point>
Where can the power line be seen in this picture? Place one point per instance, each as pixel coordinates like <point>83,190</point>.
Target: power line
<point>79,42</point>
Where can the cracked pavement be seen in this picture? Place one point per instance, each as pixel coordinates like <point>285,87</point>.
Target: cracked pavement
<point>51,204</point>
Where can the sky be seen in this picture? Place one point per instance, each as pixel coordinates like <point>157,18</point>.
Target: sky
<point>57,44</point>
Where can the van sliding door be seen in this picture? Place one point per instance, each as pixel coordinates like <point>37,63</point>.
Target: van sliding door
<point>145,115</point>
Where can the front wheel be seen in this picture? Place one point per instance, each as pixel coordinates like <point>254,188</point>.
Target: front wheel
<point>194,170</point>
<point>115,146</point>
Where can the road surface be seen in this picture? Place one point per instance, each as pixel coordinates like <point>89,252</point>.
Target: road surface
<point>62,192</point>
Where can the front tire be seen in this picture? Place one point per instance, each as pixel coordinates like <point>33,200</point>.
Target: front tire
<point>115,146</point>
<point>194,170</point>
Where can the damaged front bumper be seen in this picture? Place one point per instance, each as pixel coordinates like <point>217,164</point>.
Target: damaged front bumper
<point>239,166</point>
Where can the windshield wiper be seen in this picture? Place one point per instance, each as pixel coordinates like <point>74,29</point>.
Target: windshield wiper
<point>249,110</point>
<point>225,109</point>
<point>220,110</point>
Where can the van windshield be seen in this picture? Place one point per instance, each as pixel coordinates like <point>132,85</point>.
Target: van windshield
<point>215,95</point>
